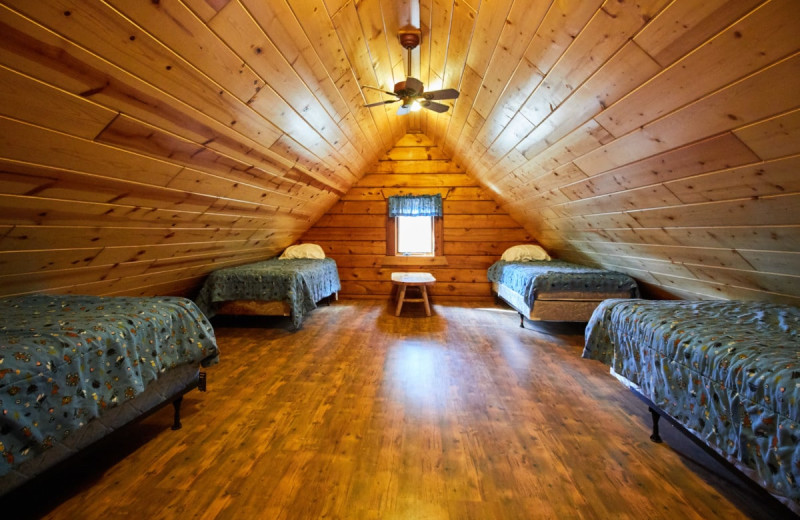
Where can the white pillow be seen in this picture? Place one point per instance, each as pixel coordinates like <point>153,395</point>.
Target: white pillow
<point>525,253</point>
<point>303,251</point>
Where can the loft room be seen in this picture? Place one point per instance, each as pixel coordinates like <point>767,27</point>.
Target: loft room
<point>148,145</point>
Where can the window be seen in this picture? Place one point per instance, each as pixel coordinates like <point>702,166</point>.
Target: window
<point>414,226</point>
<point>415,236</point>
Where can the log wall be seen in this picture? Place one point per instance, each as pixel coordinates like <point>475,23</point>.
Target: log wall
<point>476,229</point>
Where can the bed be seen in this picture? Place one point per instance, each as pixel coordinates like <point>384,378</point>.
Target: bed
<point>542,289</point>
<point>73,369</point>
<point>726,372</point>
<point>277,287</point>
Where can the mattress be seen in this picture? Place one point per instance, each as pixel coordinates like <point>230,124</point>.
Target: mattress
<point>300,282</point>
<point>728,371</point>
<point>557,279</point>
<point>66,361</point>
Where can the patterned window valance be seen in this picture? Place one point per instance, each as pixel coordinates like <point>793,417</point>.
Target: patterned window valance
<point>415,206</point>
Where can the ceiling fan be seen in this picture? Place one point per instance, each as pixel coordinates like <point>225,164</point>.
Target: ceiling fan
<point>411,92</point>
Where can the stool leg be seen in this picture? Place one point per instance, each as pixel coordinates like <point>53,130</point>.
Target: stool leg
<point>401,294</point>
<point>425,300</point>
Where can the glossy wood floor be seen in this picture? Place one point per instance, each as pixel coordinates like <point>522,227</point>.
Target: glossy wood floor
<point>364,415</point>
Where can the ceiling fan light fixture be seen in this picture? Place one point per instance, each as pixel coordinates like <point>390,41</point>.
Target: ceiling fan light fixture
<point>411,92</point>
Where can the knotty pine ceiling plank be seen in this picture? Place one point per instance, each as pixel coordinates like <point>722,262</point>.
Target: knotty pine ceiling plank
<point>776,210</point>
<point>561,25</point>
<point>22,178</point>
<point>240,31</point>
<point>133,135</point>
<point>737,105</point>
<point>715,153</point>
<point>29,143</point>
<point>205,183</point>
<point>682,26</point>
<point>176,27</point>
<point>525,78</point>
<point>625,70</point>
<point>303,28</point>
<point>489,22</point>
<point>585,139</point>
<point>779,262</point>
<point>520,27</point>
<point>786,285</point>
<point>602,37</point>
<point>580,62</point>
<point>347,25</point>
<point>40,211</point>
<point>439,33</point>
<point>743,238</point>
<point>555,179</point>
<point>767,35</point>
<point>653,196</point>
<point>470,83</point>
<point>205,9</point>
<point>23,238</point>
<point>693,288</point>
<point>397,14</point>
<point>688,256</point>
<point>767,178</point>
<point>103,31</point>
<point>31,101</point>
<point>773,137</point>
<point>278,23</point>
<point>458,44</point>
<point>376,42</point>
<point>61,63</point>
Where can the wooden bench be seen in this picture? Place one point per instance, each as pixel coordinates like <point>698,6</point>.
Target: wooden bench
<point>418,280</point>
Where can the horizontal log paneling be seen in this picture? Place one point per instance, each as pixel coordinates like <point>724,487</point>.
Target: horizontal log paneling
<point>605,129</point>
<point>451,194</point>
<point>476,230</point>
<point>481,262</point>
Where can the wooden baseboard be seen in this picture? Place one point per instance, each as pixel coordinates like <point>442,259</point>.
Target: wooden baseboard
<point>449,300</point>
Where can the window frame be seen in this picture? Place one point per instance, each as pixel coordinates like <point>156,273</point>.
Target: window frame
<point>391,238</point>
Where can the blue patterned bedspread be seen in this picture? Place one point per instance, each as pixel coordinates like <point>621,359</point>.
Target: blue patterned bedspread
<point>64,360</point>
<point>300,282</point>
<point>532,278</point>
<point>727,370</point>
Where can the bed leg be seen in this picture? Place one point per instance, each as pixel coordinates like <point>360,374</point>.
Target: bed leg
<point>521,320</point>
<point>176,419</point>
<point>655,437</point>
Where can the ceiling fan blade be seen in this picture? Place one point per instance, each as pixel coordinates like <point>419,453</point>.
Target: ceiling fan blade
<point>379,103</point>
<point>436,107</point>
<point>381,90</point>
<point>403,110</point>
<point>448,93</point>
<point>415,85</point>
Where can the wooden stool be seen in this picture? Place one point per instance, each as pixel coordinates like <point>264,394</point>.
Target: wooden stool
<point>418,280</point>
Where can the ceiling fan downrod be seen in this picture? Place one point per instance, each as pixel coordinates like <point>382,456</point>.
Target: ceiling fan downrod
<point>409,37</point>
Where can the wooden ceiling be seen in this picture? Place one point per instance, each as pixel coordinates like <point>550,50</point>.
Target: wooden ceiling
<point>146,143</point>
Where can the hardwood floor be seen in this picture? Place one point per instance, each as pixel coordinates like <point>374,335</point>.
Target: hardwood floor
<point>364,415</point>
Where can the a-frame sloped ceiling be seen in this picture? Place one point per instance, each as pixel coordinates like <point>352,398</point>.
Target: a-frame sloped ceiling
<point>144,144</point>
